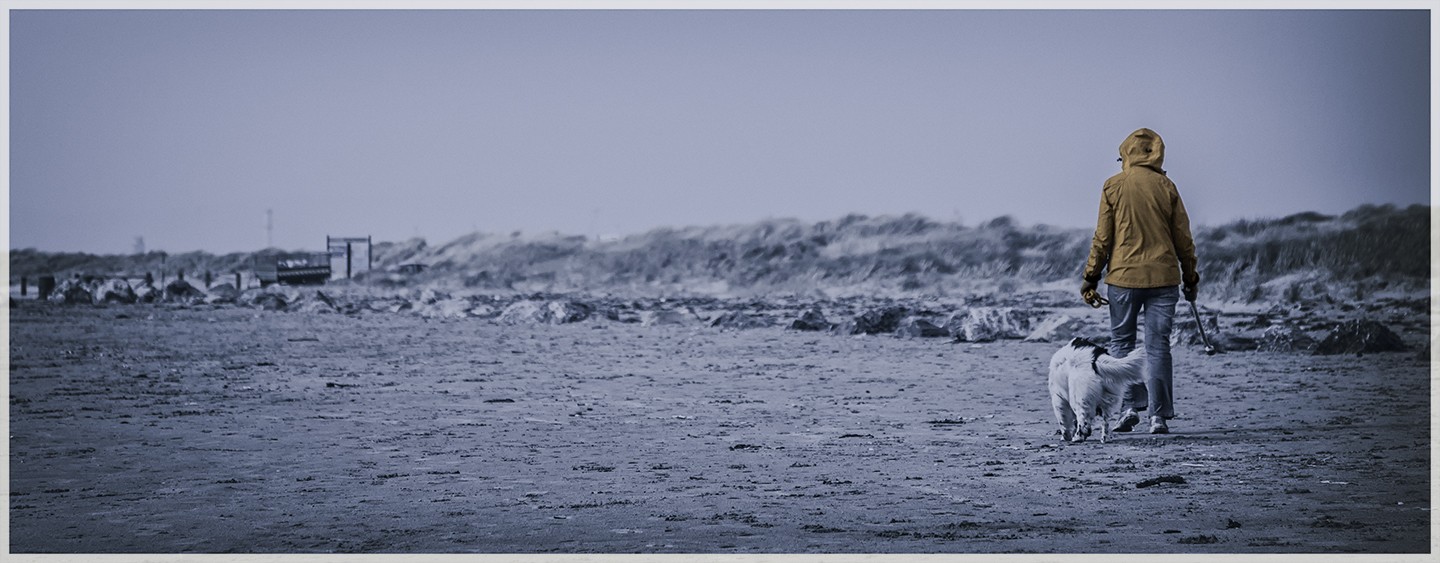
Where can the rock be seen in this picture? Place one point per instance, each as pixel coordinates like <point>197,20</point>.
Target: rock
<point>269,301</point>
<point>430,296</point>
<point>1184,331</point>
<point>71,291</point>
<point>562,312</point>
<point>181,291</point>
<point>315,303</point>
<point>551,312</point>
<point>665,317</point>
<point>621,316</point>
<point>1280,338</point>
<point>1359,337</point>
<point>875,321</point>
<point>739,321</point>
<point>524,312</point>
<point>987,324</point>
<point>811,320</point>
<point>484,311</point>
<point>1060,328</point>
<point>916,327</point>
<point>223,293</point>
<point>113,291</point>
<point>445,309</point>
<point>147,293</point>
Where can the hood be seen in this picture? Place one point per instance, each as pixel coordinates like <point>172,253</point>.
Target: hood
<point>1143,148</point>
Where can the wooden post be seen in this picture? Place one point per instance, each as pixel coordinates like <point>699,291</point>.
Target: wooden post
<point>22,285</point>
<point>47,285</point>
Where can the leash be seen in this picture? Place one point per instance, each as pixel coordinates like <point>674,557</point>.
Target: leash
<point>1209,349</point>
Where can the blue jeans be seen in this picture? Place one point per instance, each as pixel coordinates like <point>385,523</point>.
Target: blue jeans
<point>1158,306</point>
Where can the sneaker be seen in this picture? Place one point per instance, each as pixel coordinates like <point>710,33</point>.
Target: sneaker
<point>1157,426</point>
<point>1128,420</point>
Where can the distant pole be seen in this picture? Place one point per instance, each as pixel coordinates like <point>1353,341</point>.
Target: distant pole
<point>47,285</point>
<point>22,286</point>
<point>208,279</point>
<point>347,260</point>
<point>238,287</point>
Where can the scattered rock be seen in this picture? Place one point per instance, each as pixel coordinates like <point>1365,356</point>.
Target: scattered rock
<point>621,316</point>
<point>223,293</point>
<point>484,311</point>
<point>114,291</point>
<point>1280,338</point>
<point>1184,331</point>
<point>811,320</point>
<point>448,308</point>
<point>665,317</point>
<point>269,301</point>
<point>739,321</point>
<point>317,303</point>
<point>876,321</point>
<point>1059,328</point>
<point>181,291</point>
<point>987,324</point>
<point>71,291</point>
<point>1161,479</point>
<point>551,312</point>
<point>430,296</point>
<point>146,293</point>
<point>1359,337</point>
<point>1199,539</point>
<point>920,328</point>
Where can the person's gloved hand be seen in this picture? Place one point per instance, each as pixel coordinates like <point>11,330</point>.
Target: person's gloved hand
<point>1191,287</point>
<point>1091,296</point>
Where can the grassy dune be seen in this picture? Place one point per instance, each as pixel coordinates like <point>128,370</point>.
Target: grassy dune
<point>1303,256</point>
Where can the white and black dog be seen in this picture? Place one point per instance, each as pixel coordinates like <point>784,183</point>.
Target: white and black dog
<point>1085,380</point>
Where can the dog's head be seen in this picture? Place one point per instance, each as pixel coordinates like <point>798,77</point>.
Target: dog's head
<point>1083,344</point>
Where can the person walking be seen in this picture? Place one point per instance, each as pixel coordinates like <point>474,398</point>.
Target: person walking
<point>1144,250</point>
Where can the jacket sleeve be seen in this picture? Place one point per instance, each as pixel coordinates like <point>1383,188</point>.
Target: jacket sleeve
<point>1184,243</point>
<point>1104,240</point>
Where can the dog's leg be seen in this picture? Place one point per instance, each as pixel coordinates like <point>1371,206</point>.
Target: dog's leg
<point>1108,403</point>
<point>1083,413</point>
<point>1063,416</point>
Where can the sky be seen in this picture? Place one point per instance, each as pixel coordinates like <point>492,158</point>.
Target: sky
<point>185,127</point>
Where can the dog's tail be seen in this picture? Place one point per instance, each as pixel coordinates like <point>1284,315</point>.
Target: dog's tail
<point>1125,370</point>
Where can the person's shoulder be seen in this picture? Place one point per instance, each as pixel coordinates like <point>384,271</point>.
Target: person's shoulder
<point>1117,178</point>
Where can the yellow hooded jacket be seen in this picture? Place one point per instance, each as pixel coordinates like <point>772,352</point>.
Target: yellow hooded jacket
<point>1143,232</point>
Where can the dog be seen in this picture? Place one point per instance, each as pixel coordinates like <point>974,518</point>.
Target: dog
<point>1085,381</point>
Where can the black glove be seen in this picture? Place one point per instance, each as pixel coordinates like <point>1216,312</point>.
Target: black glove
<point>1191,287</point>
<point>1091,296</point>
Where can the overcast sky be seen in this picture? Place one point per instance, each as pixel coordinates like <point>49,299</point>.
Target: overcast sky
<point>184,127</point>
